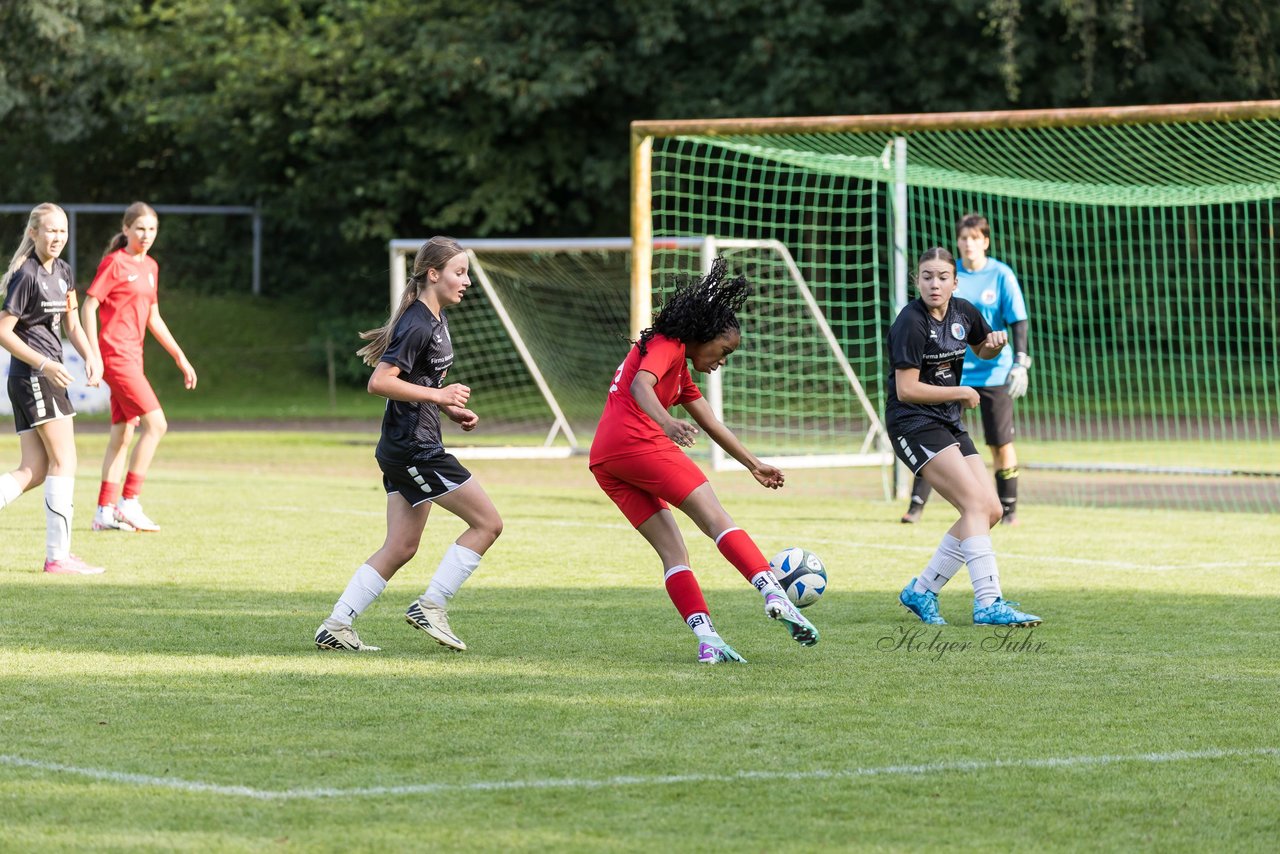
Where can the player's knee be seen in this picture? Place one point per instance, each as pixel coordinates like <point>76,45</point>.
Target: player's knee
<point>401,552</point>
<point>35,475</point>
<point>156,424</point>
<point>995,512</point>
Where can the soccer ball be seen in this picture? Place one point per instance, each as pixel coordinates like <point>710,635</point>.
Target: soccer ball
<point>801,573</point>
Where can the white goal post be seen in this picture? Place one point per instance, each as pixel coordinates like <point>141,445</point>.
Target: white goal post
<point>874,449</point>
<point>552,318</point>
<point>548,328</point>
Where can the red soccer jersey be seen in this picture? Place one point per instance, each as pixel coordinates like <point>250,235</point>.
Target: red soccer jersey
<point>126,288</point>
<point>624,428</point>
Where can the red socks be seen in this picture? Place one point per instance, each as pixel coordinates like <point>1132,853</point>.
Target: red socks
<point>740,550</point>
<point>133,484</point>
<point>684,591</point>
<point>108,493</point>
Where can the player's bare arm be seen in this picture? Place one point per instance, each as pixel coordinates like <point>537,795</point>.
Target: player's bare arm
<point>681,432</point>
<point>701,412</point>
<point>991,347</point>
<point>160,330</point>
<point>50,369</point>
<point>911,390</point>
<point>386,382</point>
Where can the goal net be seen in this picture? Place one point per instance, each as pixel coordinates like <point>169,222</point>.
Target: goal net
<point>1144,238</point>
<point>538,336</point>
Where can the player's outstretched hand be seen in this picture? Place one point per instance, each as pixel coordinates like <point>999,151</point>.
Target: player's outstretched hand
<point>681,432</point>
<point>454,395</point>
<point>464,418</point>
<point>970,398</point>
<point>767,475</point>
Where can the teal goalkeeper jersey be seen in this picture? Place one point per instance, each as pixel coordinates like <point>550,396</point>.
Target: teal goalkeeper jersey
<point>995,291</point>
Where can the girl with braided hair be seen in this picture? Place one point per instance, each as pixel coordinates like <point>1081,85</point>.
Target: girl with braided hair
<point>636,461</point>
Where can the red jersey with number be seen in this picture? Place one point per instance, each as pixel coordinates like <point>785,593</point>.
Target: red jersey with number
<point>125,287</point>
<point>624,428</point>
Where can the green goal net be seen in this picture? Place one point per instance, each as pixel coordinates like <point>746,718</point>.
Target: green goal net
<point>1144,238</point>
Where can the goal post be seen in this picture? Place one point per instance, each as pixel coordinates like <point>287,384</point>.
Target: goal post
<point>537,337</point>
<point>1143,238</point>
<point>818,381</point>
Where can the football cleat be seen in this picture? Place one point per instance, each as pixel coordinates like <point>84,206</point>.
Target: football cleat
<point>110,519</point>
<point>713,650</point>
<point>923,605</point>
<point>432,619</point>
<point>778,607</point>
<point>1002,613</point>
<point>913,514</point>
<point>71,565</point>
<point>131,510</point>
<point>332,635</point>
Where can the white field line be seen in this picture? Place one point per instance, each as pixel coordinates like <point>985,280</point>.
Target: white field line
<point>960,766</point>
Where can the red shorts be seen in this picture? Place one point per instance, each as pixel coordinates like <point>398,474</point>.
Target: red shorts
<point>131,394</point>
<point>643,484</point>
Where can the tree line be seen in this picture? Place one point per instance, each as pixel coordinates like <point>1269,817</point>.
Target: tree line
<point>354,121</point>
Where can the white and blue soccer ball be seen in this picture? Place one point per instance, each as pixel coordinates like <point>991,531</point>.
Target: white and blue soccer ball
<point>801,573</point>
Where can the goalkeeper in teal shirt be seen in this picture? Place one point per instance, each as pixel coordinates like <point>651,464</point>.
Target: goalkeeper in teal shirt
<point>993,288</point>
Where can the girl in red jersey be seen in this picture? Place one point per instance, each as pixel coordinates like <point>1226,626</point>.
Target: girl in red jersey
<point>124,289</point>
<point>38,297</point>
<point>636,462</point>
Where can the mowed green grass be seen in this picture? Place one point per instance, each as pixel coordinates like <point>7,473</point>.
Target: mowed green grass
<point>578,720</point>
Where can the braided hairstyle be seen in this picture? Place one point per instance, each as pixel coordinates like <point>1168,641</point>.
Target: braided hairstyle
<point>700,310</point>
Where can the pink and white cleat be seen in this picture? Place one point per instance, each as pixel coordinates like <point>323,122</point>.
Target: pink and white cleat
<point>71,565</point>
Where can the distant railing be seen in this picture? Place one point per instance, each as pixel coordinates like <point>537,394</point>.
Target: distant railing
<point>198,210</point>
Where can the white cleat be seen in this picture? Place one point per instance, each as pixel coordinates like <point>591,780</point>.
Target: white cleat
<point>109,518</point>
<point>333,635</point>
<point>432,619</point>
<point>130,509</point>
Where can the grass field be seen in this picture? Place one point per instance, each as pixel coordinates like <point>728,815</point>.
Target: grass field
<point>176,703</point>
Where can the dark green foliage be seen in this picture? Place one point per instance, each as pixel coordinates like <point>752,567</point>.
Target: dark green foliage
<point>353,121</point>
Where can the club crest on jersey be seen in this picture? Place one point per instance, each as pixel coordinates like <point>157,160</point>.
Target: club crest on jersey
<point>988,297</point>
<point>957,331</point>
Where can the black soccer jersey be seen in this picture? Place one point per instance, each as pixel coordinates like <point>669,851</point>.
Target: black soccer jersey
<point>420,347</point>
<point>937,348</point>
<point>38,299</point>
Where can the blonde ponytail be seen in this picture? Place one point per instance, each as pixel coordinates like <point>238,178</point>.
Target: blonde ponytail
<point>28,243</point>
<point>433,255</point>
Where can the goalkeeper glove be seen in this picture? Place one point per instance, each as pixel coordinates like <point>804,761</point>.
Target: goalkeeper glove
<point>1017,382</point>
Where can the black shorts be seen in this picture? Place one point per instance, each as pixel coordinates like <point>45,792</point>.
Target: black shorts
<point>37,401</point>
<point>920,446</point>
<point>417,482</point>
<point>997,414</point>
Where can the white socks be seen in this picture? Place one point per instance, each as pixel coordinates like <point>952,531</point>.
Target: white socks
<point>364,587</point>
<point>58,510</point>
<point>9,490</point>
<point>701,625</point>
<point>458,564</point>
<point>981,558</point>
<point>946,561</point>
<point>766,582</point>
